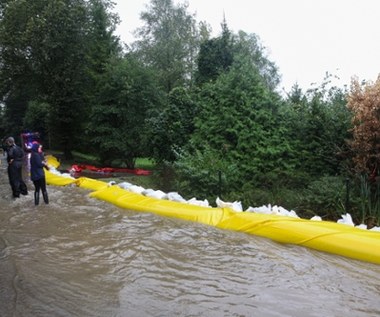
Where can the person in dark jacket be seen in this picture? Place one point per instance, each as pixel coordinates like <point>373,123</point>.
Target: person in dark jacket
<point>37,173</point>
<point>15,156</point>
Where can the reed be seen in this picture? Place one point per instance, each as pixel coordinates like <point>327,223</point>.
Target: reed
<point>369,200</point>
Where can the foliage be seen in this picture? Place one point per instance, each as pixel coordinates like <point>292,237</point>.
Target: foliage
<point>169,42</point>
<point>14,104</point>
<point>364,102</point>
<point>318,124</point>
<point>249,45</point>
<point>238,123</point>
<point>45,57</point>
<point>198,173</point>
<point>117,123</point>
<point>326,196</point>
<point>16,85</point>
<point>102,44</point>
<point>215,56</point>
<point>369,201</point>
<point>37,118</point>
<point>169,128</point>
<point>255,196</point>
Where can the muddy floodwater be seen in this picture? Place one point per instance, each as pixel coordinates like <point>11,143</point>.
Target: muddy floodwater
<point>82,257</point>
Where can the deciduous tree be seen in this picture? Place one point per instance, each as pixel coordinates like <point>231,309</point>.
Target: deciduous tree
<point>48,55</point>
<point>364,103</point>
<point>169,42</point>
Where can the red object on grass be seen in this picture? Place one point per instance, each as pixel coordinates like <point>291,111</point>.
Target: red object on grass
<point>137,171</point>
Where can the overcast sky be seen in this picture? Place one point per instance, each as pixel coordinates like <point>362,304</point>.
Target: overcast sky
<point>305,38</point>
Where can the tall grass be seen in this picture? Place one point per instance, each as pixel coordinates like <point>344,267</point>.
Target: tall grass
<point>369,200</point>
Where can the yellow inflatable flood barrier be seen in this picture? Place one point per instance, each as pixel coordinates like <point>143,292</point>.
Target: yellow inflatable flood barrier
<point>324,236</point>
<point>137,202</point>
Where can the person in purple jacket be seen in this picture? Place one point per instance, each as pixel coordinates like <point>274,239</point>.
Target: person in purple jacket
<point>37,173</point>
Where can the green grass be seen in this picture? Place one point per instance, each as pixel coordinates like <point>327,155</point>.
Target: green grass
<point>143,163</point>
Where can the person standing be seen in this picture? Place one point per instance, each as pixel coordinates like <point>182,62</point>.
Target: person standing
<point>15,156</point>
<point>37,173</point>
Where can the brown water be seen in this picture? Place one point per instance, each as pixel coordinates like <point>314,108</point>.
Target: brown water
<point>79,256</point>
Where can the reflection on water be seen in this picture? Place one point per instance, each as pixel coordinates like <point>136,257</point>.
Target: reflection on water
<point>81,257</point>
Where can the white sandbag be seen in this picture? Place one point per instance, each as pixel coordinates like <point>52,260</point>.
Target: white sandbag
<point>261,210</point>
<point>158,194</point>
<point>346,220</point>
<point>362,226</point>
<point>136,189</point>
<point>281,211</point>
<point>196,202</point>
<point>124,185</point>
<point>236,205</point>
<point>174,196</point>
<point>147,192</point>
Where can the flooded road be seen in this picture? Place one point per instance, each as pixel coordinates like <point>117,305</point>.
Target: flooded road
<point>80,257</point>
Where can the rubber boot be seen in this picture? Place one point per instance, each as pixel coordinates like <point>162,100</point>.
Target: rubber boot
<point>36,198</point>
<point>46,198</point>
